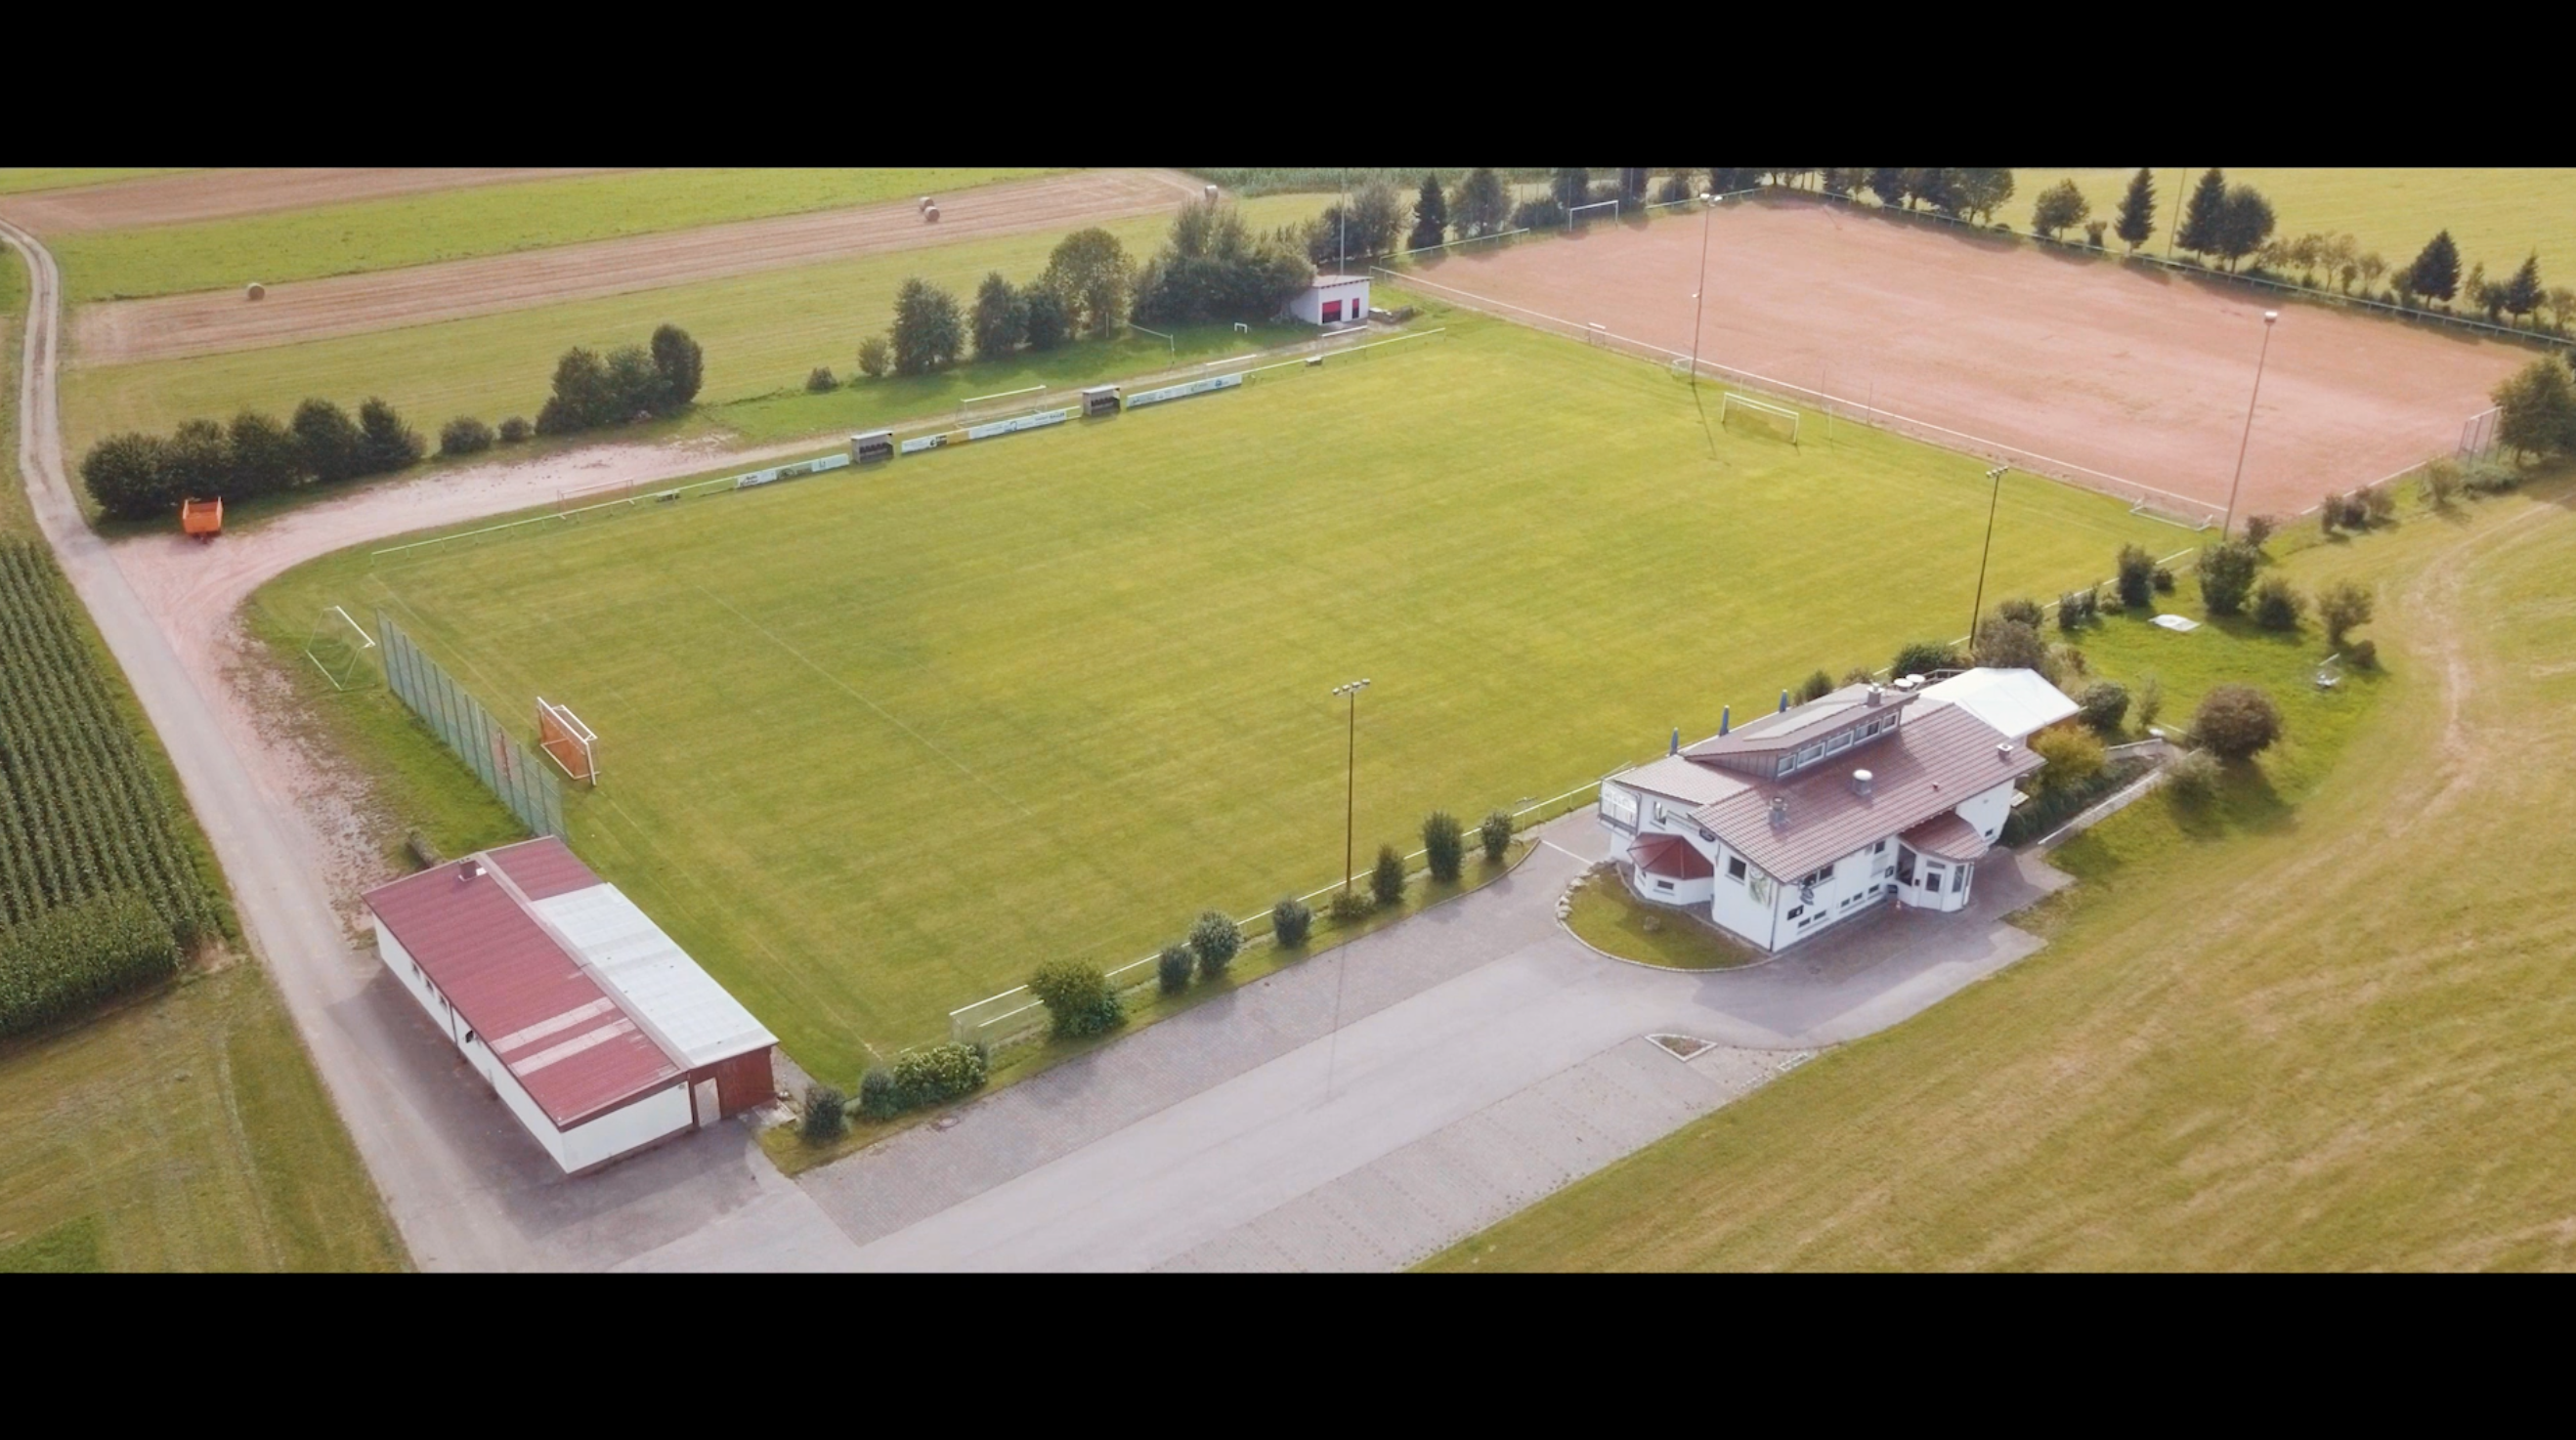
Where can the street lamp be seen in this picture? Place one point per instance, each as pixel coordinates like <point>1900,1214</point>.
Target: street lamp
<point>1350,783</point>
<point>1699,297</point>
<point>1996,476</point>
<point>2269,317</point>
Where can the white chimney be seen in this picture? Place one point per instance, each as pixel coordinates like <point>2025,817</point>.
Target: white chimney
<point>1873,692</point>
<point>2003,752</point>
<point>1780,811</point>
<point>1860,783</point>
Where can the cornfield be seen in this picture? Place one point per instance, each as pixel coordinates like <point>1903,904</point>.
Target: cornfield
<point>80,814</point>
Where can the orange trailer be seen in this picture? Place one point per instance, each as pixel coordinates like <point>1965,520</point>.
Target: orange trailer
<point>201,519</point>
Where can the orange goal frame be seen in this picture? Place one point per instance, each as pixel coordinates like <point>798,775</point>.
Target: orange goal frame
<point>568,742</point>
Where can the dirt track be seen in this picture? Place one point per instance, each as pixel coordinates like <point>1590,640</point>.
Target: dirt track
<point>205,323</point>
<point>2082,368</point>
<point>215,194</point>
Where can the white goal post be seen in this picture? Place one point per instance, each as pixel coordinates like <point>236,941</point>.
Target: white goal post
<point>338,646</point>
<point>1761,409</point>
<point>567,741</point>
<point>1574,213</point>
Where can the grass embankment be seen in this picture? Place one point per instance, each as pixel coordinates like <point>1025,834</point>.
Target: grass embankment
<point>762,333</point>
<point>391,233</point>
<point>877,743</point>
<point>1609,919</point>
<point>19,179</point>
<point>2320,1023</point>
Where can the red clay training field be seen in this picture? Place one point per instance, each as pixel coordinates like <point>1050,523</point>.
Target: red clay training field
<point>2092,370</point>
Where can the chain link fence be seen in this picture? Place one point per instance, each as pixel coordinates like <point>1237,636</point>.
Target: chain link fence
<point>507,768</point>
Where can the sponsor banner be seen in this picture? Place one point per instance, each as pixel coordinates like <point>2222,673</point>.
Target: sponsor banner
<point>789,472</point>
<point>919,443</point>
<point>1177,392</point>
<point>1018,422</point>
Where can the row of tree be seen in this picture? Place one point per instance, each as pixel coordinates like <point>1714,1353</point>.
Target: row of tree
<point>1086,289</point>
<point>134,476</point>
<point>633,383</point>
<point>2536,408</point>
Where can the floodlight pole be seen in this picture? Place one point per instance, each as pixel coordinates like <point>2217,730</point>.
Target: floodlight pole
<point>1350,782</point>
<point>1979,608</point>
<point>2270,317</point>
<point>1699,297</point>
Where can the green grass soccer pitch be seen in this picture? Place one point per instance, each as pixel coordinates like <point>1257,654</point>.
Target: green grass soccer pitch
<point>879,742</point>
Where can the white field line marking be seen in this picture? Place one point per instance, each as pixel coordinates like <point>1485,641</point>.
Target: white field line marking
<point>1561,850</point>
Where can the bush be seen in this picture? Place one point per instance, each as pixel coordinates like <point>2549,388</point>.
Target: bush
<point>325,441</point>
<point>385,443</point>
<point>1496,835</point>
<point>2489,477</point>
<point>2442,483</point>
<point>1386,877</point>
<point>1289,922</point>
<point>679,368</point>
<point>1215,939</point>
<point>2341,606</point>
<point>2364,654</point>
<point>2329,515</point>
<point>1444,846</point>
<point>2151,701</point>
<point>515,429</point>
<point>940,1073</point>
<point>2164,580</point>
<point>1349,905</point>
<point>2010,645</point>
<point>2259,528</point>
<point>2104,704</point>
<point>1814,687</point>
<point>2136,572</point>
<point>1923,657</point>
<point>2193,775</point>
<point>879,1097</point>
<point>2379,503</point>
<point>2070,611</point>
<point>1077,997</point>
<point>1545,212</point>
<point>2278,605</point>
<point>464,435</point>
<point>2022,612</point>
<point>876,356</point>
<point>1175,966</point>
<point>821,379</point>
<point>827,1115</point>
<point>2236,722</point>
<point>71,958</point>
<point>2226,576</point>
<point>2073,753</point>
<point>126,475</point>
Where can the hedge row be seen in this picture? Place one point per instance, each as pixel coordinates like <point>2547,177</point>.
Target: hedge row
<point>71,958</point>
<point>922,1077</point>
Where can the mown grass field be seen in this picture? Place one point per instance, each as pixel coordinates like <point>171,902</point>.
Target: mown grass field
<point>2497,214</point>
<point>762,334</point>
<point>388,234</point>
<point>2322,1024</point>
<point>877,744</point>
<point>15,179</point>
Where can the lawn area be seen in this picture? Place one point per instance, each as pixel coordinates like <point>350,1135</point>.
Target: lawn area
<point>2321,1023</point>
<point>2497,214</point>
<point>184,1132</point>
<point>397,231</point>
<point>876,744</point>
<point>18,179</point>
<point>763,333</point>
<point>1606,917</point>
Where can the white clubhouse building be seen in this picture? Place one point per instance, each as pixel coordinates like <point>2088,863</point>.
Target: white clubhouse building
<point>1787,824</point>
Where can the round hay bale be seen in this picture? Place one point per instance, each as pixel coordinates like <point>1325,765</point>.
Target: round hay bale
<point>1211,193</point>
<point>931,215</point>
<point>925,202</point>
<point>257,291</point>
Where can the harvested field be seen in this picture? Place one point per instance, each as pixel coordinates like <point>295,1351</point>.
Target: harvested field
<point>198,324</point>
<point>2081,367</point>
<point>209,194</point>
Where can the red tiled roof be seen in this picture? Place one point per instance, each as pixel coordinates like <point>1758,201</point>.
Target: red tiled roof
<point>1933,763</point>
<point>543,868</point>
<point>566,1040</point>
<point>1670,856</point>
<point>1947,837</point>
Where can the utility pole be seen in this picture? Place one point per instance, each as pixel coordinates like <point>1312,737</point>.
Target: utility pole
<point>1699,297</point>
<point>1979,608</point>
<point>1350,782</point>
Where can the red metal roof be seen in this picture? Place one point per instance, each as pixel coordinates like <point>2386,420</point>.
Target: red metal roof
<point>543,868</point>
<point>1670,856</point>
<point>1947,837</point>
<point>567,1041</point>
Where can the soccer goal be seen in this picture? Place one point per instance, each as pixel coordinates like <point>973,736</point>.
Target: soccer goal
<point>590,497</point>
<point>567,741</point>
<point>2478,434</point>
<point>1576,215</point>
<point>1762,413</point>
<point>338,648</point>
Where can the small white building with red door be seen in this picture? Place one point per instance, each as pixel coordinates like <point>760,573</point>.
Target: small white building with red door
<point>1332,300</point>
<point>597,1031</point>
<point>1781,828</point>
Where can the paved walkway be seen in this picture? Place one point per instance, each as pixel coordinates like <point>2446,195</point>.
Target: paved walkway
<point>1244,1133</point>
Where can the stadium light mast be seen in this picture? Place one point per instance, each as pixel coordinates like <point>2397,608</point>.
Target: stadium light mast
<point>1699,297</point>
<point>1979,608</point>
<point>1350,782</point>
<point>2270,317</point>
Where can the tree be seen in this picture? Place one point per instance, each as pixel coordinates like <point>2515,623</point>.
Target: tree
<point>2137,572</point>
<point>1001,321</point>
<point>2436,271</point>
<point>875,357</point>
<point>1215,940</point>
<point>2236,722</point>
<point>927,332</point>
<point>1174,967</point>
<point>2137,219</point>
<point>1888,184</point>
<point>1430,217</point>
<point>1632,185</point>
<point>2198,232</point>
<point>2010,645</point>
<point>2151,701</point>
<point>2227,576</point>
<point>2027,612</point>
<point>1982,192</point>
<point>1367,226</point>
<point>1049,320</point>
<point>1936,186</point>
<point>2244,223</point>
<point>1386,877</point>
<point>385,443</point>
<point>1815,687</point>
<point>463,435</point>
<point>680,366</point>
<point>2103,705</point>
<point>263,455</point>
<point>1290,919</point>
<point>2537,409</point>
<point>2061,206</point>
<point>514,429</point>
<point>2074,755</point>
<point>1571,187</point>
<point>2278,605</point>
<point>2340,607</point>
<point>1495,835</point>
<point>1077,997</point>
<point>1483,205</point>
<point>196,461</point>
<point>634,387</point>
<point>1089,271</point>
<point>827,1115</point>
<point>2523,293</point>
<point>1444,846</point>
<point>580,400</point>
<point>124,474</point>
<point>326,441</point>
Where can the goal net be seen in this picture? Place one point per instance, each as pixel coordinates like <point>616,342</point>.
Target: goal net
<point>567,741</point>
<point>1576,216</point>
<point>1758,414</point>
<point>2478,434</point>
<point>338,648</point>
<point>591,497</point>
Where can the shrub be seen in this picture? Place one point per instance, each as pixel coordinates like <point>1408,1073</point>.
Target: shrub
<point>1349,905</point>
<point>262,456</point>
<point>2073,753</point>
<point>1386,877</point>
<point>2226,576</point>
<point>2193,775</point>
<point>942,1072</point>
<point>2104,704</point>
<point>125,474</point>
<point>2259,528</point>
<point>2010,645</point>
<point>385,443</point>
<point>2364,654</point>
<point>2136,572</point>
<point>515,429</point>
<point>2151,701</point>
<point>2341,606</point>
<point>2379,503</point>
<point>2278,605</point>
<point>71,958</point>
<point>2236,722</point>
<point>2164,580</point>
<point>1444,846</point>
<point>2022,612</point>
<point>2489,477</point>
<point>1077,997</point>
<point>821,379</point>
<point>2442,482</point>
<point>1815,687</point>
<point>879,1097</point>
<point>1215,939</point>
<point>1858,675</point>
<point>1289,922</point>
<point>2329,515</point>
<point>325,441</point>
<point>464,435</point>
<point>679,368</point>
<point>2070,612</point>
<point>1543,213</point>
<point>876,356</point>
<point>1922,658</point>
<point>1175,966</point>
<point>826,1115</point>
<point>1496,834</point>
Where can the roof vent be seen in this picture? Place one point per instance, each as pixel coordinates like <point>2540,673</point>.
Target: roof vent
<point>1873,692</point>
<point>469,870</point>
<point>2004,752</point>
<point>1860,783</point>
<point>1780,811</point>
